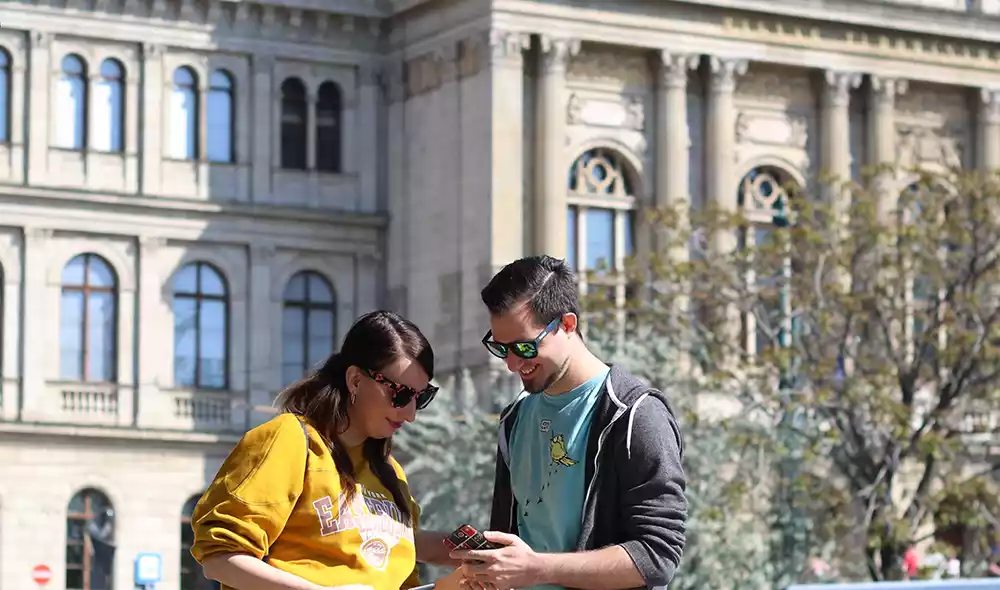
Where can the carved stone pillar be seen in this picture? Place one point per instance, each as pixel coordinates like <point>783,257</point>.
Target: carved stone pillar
<point>264,333</point>
<point>152,128</point>
<point>367,130</point>
<point>551,168</point>
<point>835,129</point>
<point>37,313</point>
<point>38,132</point>
<point>152,323</point>
<point>263,109</point>
<point>672,134</point>
<point>720,140</point>
<point>505,52</point>
<point>989,130</point>
<point>882,136</point>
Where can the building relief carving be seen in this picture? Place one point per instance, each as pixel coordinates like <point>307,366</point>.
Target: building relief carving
<point>772,86</point>
<point>627,113</point>
<point>772,129</point>
<point>916,145</point>
<point>608,67</point>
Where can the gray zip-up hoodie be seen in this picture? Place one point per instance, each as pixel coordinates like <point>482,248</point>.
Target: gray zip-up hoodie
<point>634,477</point>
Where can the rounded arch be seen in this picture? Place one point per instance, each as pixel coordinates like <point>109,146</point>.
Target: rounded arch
<point>306,274</point>
<point>632,167</point>
<point>73,64</point>
<point>221,79</point>
<point>764,188</point>
<point>91,530</point>
<point>293,87</point>
<point>99,487</point>
<point>113,255</point>
<point>299,265</point>
<point>112,69</point>
<point>783,165</point>
<point>197,265</point>
<point>232,272</point>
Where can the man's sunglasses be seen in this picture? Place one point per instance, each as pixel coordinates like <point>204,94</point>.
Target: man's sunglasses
<point>527,349</point>
<point>402,395</point>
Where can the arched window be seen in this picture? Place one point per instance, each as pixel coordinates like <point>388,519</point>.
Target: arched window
<point>184,115</point>
<point>71,104</point>
<point>201,327</point>
<point>328,128</point>
<point>309,324</point>
<point>109,123</point>
<point>766,205</point>
<point>599,220</point>
<point>221,117</point>
<point>87,320</point>
<point>293,124</point>
<point>5,92</point>
<point>90,542</point>
<point>192,576</point>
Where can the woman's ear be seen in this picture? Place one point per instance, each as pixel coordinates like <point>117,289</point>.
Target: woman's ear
<point>353,380</point>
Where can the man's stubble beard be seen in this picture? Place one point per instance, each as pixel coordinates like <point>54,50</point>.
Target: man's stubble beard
<point>554,378</point>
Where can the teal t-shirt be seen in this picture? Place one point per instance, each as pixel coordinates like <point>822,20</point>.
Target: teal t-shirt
<point>548,448</point>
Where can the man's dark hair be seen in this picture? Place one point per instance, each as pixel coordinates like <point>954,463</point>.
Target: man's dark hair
<point>547,284</point>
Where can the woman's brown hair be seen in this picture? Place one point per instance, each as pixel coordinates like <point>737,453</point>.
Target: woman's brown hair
<point>374,341</point>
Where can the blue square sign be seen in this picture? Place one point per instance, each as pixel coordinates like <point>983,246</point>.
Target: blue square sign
<point>148,569</point>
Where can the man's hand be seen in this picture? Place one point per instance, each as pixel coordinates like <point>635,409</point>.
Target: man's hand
<point>515,565</point>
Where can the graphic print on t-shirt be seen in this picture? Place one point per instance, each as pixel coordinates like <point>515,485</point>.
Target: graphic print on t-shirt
<point>548,447</point>
<point>374,516</point>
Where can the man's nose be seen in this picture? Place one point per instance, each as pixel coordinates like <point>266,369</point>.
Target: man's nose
<point>513,362</point>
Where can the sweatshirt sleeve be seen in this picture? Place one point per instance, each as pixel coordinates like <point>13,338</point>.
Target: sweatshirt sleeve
<point>653,486</point>
<point>247,505</point>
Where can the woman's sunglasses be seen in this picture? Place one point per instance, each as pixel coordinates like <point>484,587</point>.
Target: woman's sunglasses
<point>527,349</point>
<point>402,395</point>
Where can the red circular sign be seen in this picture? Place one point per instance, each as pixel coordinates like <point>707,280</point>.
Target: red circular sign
<point>41,574</point>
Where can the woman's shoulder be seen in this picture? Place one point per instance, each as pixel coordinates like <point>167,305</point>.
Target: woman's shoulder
<point>285,428</point>
<point>400,472</point>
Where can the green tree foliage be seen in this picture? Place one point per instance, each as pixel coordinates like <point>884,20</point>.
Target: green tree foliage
<point>862,339</point>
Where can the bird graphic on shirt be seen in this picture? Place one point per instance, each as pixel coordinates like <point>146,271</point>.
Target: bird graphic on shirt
<point>557,451</point>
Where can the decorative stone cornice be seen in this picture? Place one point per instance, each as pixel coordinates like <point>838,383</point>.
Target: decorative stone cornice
<point>839,86</point>
<point>725,71</point>
<point>674,68</point>
<point>556,52</point>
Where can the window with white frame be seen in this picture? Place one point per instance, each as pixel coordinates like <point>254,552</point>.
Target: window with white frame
<point>601,213</point>
<point>5,93</point>
<point>71,104</point>
<point>221,116</point>
<point>184,114</point>
<point>308,324</point>
<point>766,205</point>
<point>109,114</point>
<point>294,114</point>
<point>328,115</point>
<point>88,317</point>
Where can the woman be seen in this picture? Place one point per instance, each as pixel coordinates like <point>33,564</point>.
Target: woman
<point>313,498</point>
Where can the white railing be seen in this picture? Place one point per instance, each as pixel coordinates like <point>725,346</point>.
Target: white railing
<point>104,404</point>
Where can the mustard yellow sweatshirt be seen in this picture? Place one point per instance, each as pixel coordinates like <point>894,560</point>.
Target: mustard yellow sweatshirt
<point>266,501</point>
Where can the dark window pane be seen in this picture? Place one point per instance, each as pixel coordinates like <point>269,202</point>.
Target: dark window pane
<point>213,344</point>
<point>74,579</point>
<point>293,125</point>
<point>293,340</point>
<point>186,280</point>
<point>319,289</point>
<point>211,282</point>
<point>320,336</point>
<point>100,337</point>
<point>220,118</point>
<point>185,341</point>
<point>600,238</point>
<point>74,529</point>
<point>74,554</point>
<point>77,504</point>
<point>71,336</point>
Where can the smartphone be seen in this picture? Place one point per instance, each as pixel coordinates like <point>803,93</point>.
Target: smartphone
<point>467,537</point>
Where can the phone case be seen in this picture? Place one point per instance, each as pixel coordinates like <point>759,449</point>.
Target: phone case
<point>467,537</point>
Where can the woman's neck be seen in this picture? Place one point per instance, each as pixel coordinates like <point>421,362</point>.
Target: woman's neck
<point>352,437</point>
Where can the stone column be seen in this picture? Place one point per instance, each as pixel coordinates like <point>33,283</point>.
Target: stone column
<point>989,130</point>
<point>264,334</point>
<point>835,123</point>
<point>505,52</point>
<point>673,139</point>
<point>312,97</point>
<point>37,317</point>
<point>367,132</point>
<point>152,118</point>
<point>720,144</point>
<point>39,80</point>
<point>551,169</point>
<point>882,137</point>
<point>152,323</point>
<point>261,126</point>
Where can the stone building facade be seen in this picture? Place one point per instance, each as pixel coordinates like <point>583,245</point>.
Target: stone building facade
<point>197,197</point>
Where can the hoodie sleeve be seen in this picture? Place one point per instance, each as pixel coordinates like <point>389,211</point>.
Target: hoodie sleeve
<point>246,507</point>
<point>654,507</point>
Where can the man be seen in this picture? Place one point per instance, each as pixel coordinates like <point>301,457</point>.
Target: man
<point>589,489</point>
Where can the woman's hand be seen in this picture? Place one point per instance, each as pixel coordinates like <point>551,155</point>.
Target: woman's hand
<point>349,587</point>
